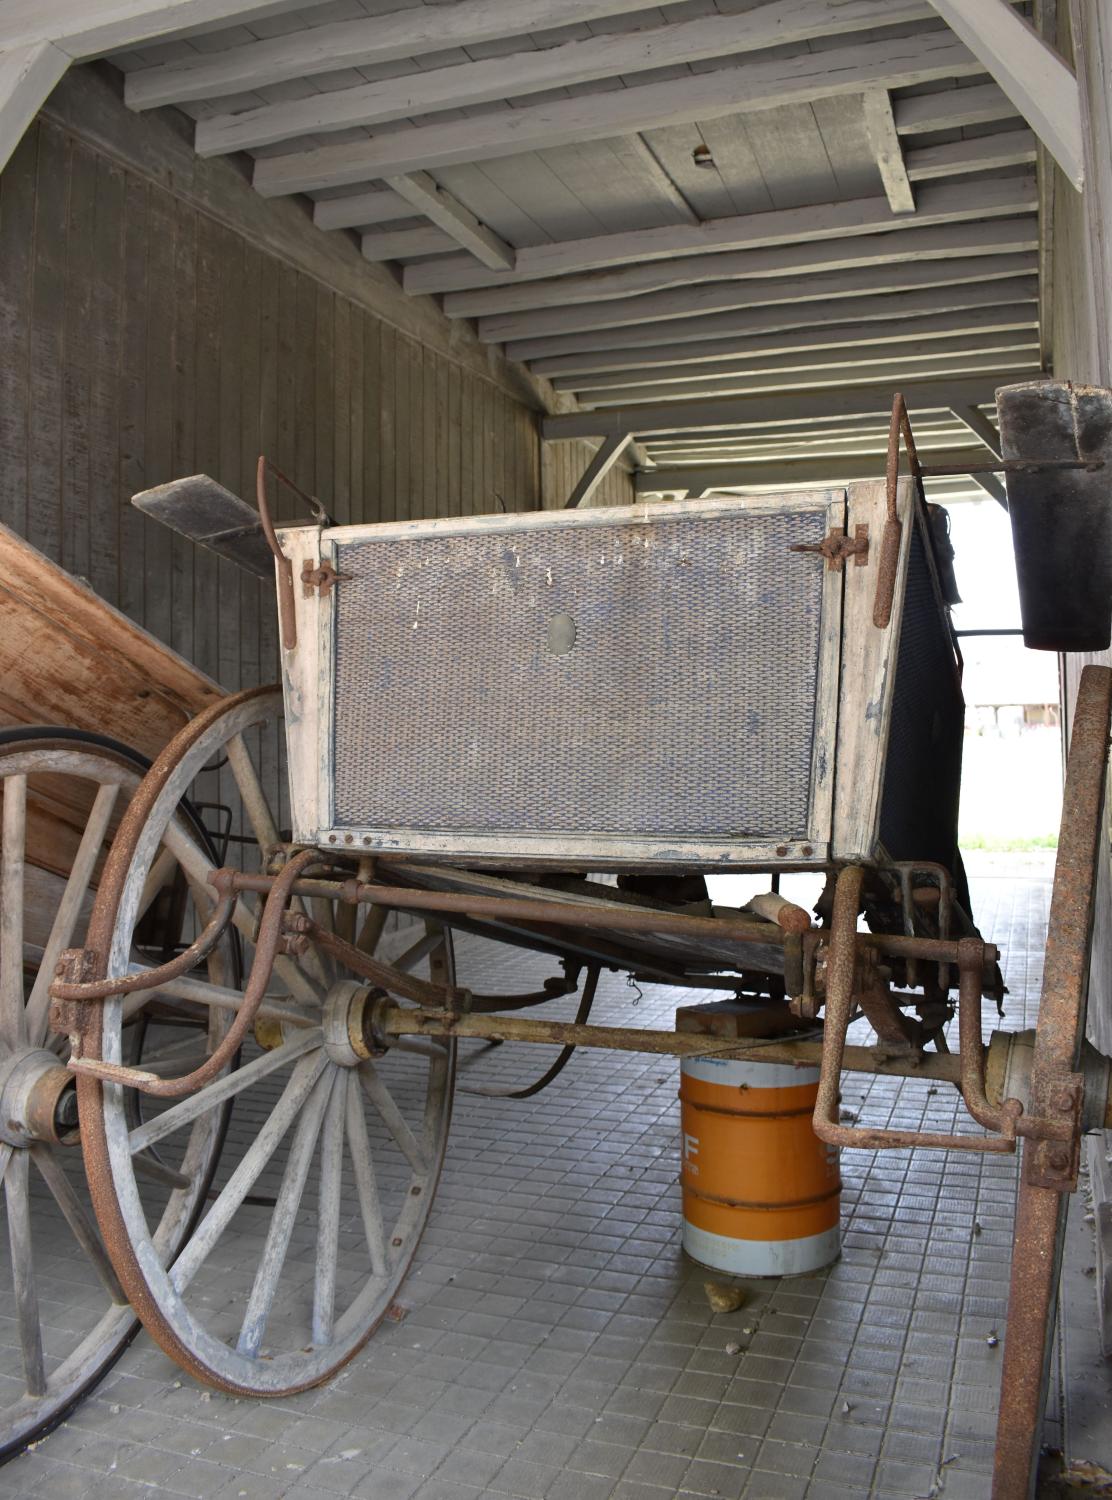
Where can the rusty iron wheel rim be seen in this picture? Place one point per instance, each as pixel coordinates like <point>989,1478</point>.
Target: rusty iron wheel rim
<point>313,1117</point>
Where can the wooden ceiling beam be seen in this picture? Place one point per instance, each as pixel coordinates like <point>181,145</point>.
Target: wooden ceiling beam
<point>981,153</point>
<point>370,40</point>
<point>533,70</point>
<point>902,353</point>
<point>988,236</point>
<point>27,75</point>
<point>1034,77</point>
<point>576,371</point>
<point>837,469</point>
<point>785,317</point>
<point>1021,355</point>
<point>733,411</point>
<point>760,83</point>
<point>82,28</point>
<point>952,109</point>
<point>396,244</point>
<point>884,142</point>
<point>731,296</point>
<point>425,196</point>
<point>939,203</point>
<point>356,209</point>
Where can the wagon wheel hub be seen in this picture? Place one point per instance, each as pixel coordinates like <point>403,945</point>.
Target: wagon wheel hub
<point>348,1024</point>
<point>38,1099</point>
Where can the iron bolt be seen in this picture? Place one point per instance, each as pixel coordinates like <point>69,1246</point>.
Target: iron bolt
<point>781,851</point>
<point>1058,1159</point>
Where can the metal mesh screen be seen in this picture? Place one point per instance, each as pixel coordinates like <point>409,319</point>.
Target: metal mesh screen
<point>919,809</point>
<point>646,678</point>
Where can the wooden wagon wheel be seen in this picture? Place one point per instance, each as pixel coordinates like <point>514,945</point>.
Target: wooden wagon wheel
<point>302,1250</point>
<point>63,792</point>
<point>1055,1089</point>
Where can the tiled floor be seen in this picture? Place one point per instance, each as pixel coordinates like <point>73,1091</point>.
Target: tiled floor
<point>558,1344</point>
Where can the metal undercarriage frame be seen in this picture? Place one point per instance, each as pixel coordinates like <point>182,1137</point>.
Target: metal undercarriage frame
<point>836,969</point>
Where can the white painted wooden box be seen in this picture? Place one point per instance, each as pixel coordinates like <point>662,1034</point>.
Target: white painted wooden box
<point>666,684</point>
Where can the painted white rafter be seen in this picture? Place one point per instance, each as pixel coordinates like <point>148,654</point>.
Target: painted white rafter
<point>426,196</point>
<point>1034,76</point>
<point>884,142</point>
<point>760,410</point>
<point>27,75</point>
<point>534,70</point>
<point>88,28</point>
<point>939,203</point>
<point>757,83</point>
<point>364,42</point>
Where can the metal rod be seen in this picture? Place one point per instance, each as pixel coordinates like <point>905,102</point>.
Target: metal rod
<point>402,1021</point>
<point>568,914</point>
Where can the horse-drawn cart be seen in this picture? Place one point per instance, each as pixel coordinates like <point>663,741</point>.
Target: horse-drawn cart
<point>487,719</point>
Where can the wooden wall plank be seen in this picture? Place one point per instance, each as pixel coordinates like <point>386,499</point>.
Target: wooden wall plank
<point>132,471</point>
<point>147,338</point>
<point>16,257</point>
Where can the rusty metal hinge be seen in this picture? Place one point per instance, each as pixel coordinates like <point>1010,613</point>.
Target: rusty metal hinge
<point>321,578</point>
<point>836,547</point>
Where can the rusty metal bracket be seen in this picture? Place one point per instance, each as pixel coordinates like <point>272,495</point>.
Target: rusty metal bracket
<point>900,427</point>
<point>323,578</point>
<point>287,619</point>
<point>836,547</point>
<point>844,977</point>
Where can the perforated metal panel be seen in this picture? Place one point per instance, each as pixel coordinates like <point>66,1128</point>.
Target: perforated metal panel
<point>654,680</point>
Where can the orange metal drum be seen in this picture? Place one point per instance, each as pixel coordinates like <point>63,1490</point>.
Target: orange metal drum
<point>761,1192</point>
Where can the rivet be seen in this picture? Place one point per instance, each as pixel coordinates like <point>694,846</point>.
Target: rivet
<point>414,1191</point>
<point>781,851</point>
<point>367,839</point>
<point>331,838</point>
<point>349,838</point>
<point>396,1241</point>
<point>806,851</point>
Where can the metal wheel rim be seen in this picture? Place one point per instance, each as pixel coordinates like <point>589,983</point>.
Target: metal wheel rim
<point>93,759</point>
<point>160,1292</point>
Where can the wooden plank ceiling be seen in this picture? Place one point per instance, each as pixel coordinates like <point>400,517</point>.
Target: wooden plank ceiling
<point>772,211</point>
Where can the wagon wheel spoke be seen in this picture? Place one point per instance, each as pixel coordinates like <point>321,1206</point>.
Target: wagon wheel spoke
<point>265,828</point>
<point>17,1198</point>
<point>392,1118</point>
<point>328,1210</point>
<point>12,1020</point>
<point>277,1245</point>
<point>161,872</point>
<point>370,1208</point>
<point>69,909</point>
<point>301,1083</point>
<point>189,1109</point>
<point>84,1230</point>
<point>219,997</point>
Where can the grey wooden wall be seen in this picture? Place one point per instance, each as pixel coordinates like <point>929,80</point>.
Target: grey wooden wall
<point>145,339</point>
